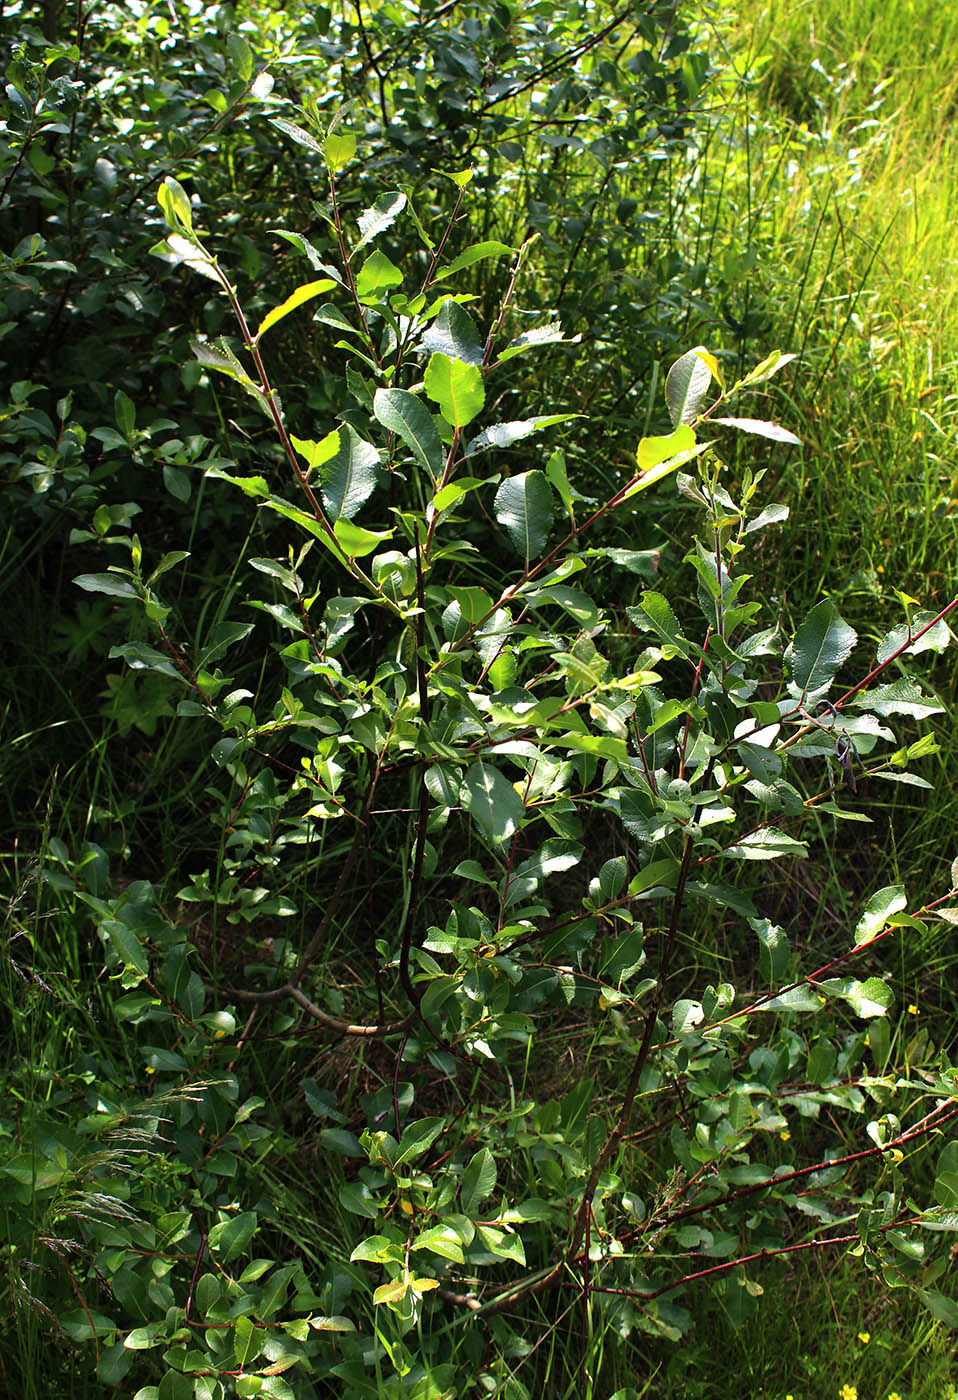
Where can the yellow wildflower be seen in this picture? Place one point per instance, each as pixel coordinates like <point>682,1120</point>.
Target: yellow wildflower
<point>913,1010</point>
<point>864,1338</point>
<point>894,1395</point>
<point>785,1135</point>
<point>849,1392</point>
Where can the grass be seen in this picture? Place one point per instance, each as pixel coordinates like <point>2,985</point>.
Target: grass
<point>829,209</point>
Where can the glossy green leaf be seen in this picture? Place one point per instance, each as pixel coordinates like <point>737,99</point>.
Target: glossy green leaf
<point>348,469</point>
<point>247,1342</point>
<point>477,253</point>
<point>478,1181</point>
<point>687,384</point>
<point>407,416</point>
<point>768,843</point>
<point>523,505</point>
<point>503,435</point>
<point>297,134</point>
<point>454,334</point>
<point>231,1237</point>
<point>241,56</point>
<point>442,1240</point>
<point>822,644</point>
<point>380,216</point>
<point>377,276</point>
<point>935,639</point>
<point>492,802</point>
<point>773,949</point>
<point>878,911</point>
<point>417,1137</point>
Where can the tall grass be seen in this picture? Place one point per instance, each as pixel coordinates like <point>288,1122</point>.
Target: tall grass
<point>827,213</point>
<point>825,204</point>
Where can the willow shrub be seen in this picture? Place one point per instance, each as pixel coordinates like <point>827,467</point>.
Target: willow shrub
<point>503,798</point>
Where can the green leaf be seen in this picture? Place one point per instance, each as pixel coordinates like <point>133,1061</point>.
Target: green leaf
<point>230,1238</point>
<point>503,435</point>
<point>241,56</point>
<point>454,334</point>
<point>878,910</point>
<point>302,294</point>
<point>773,952</point>
<point>901,697</point>
<point>442,1240</point>
<point>654,612</point>
<point>687,383</point>
<point>456,387</point>
<point>768,843</point>
<point>769,366</point>
<point>301,137</point>
<point>247,1342</point>
<point>946,1176</point>
<point>175,1386</point>
<point>476,253</point>
<point>478,1181</point>
<point>867,999</point>
<point>761,428</point>
<point>356,541</point>
<point>943,1309</point>
<point>822,643</point>
<point>339,149</point>
<point>417,1137</point>
<point>935,639</point>
<point>407,416</point>
<point>349,469</point>
<point>379,217</point>
<point>175,203</point>
<point>523,505</point>
<point>124,411</point>
<point>492,802</point>
<point>377,275</point>
<point>111,584</point>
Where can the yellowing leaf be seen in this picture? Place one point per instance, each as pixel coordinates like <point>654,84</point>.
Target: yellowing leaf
<point>297,298</point>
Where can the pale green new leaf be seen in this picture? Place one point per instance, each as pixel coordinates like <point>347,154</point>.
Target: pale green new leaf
<point>769,366</point>
<point>377,275</point>
<point>456,387</point>
<point>175,203</point>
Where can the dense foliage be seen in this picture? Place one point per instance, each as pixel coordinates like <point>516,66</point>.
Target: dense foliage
<point>404,768</point>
